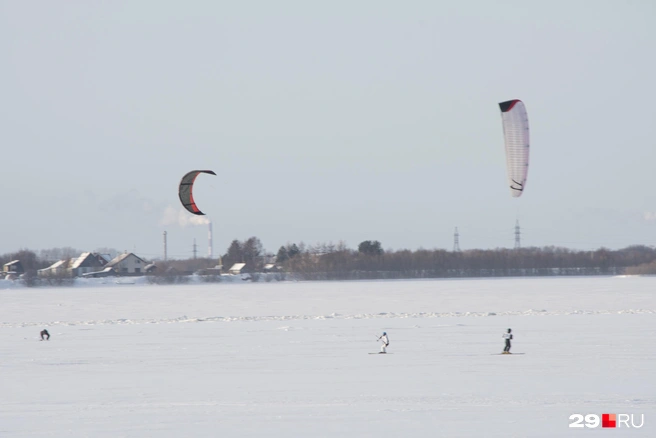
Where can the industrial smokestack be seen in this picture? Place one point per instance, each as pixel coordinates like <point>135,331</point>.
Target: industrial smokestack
<point>209,238</point>
<point>164,245</point>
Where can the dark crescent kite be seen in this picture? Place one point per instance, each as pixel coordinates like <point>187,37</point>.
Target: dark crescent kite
<point>186,193</point>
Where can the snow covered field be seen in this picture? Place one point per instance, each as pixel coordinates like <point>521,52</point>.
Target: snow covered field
<point>291,359</point>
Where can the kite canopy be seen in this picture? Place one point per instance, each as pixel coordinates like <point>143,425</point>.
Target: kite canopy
<point>515,132</point>
<point>185,191</point>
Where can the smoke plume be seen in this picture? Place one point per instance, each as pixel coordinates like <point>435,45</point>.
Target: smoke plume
<point>181,217</point>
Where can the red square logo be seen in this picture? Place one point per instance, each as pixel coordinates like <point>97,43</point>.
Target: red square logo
<point>608,420</point>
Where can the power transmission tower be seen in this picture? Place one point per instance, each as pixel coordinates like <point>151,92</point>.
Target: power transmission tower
<point>456,241</point>
<point>518,233</point>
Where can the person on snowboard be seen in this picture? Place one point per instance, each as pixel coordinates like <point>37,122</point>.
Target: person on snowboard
<point>385,340</point>
<point>45,335</point>
<point>507,336</point>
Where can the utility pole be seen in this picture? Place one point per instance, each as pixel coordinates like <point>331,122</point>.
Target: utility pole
<point>518,233</point>
<point>194,248</point>
<point>456,241</point>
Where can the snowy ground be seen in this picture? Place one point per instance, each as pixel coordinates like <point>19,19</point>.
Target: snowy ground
<point>291,359</point>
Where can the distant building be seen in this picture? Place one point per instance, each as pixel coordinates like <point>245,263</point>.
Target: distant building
<point>75,267</point>
<point>127,264</point>
<point>56,269</point>
<point>14,267</point>
<point>236,268</point>
<point>106,272</point>
<point>86,262</point>
<point>210,271</point>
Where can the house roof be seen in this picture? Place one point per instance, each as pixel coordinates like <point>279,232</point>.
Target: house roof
<point>14,262</point>
<point>91,274</point>
<point>78,261</point>
<point>88,258</point>
<point>105,257</point>
<point>119,258</point>
<point>237,266</point>
<point>53,266</point>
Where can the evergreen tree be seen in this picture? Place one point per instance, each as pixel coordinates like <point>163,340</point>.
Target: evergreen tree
<point>369,247</point>
<point>282,255</point>
<point>293,251</point>
<point>234,255</point>
<point>252,250</point>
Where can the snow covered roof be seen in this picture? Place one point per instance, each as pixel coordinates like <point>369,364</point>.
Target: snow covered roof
<point>14,262</point>
<point>78,261</point>
<point>53,266</point>
<point>91,274</point>
<point>119,258</point>
<point>237,266</point>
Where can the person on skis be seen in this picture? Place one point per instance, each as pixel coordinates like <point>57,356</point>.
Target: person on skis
<point>45,335</point>
<point>385,340</point>
<point>507,336</point>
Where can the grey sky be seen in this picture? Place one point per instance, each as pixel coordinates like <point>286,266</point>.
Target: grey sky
<point>325,121</point>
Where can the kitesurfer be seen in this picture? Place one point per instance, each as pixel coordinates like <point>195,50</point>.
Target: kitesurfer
<point>385,340</point>
<point>45,335</point>
<point>507,336</point>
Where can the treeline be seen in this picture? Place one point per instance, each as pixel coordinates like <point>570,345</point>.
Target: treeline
<point>369,261</point>
<point>328,261</point>
<point>642,269</point>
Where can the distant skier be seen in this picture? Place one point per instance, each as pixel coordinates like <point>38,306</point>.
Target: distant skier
<point>507,336</point>
<point>385,340</point>
<point>45,335</point>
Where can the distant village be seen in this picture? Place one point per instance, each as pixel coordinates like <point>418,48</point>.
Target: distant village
<point>96,265</point>
<point>247,260</point>
<point>86,265</point>
<point>60,266</point>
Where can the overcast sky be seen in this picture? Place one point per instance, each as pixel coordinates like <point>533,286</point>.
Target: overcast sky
<point>325,121</point>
